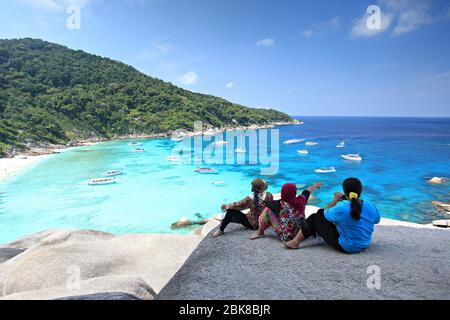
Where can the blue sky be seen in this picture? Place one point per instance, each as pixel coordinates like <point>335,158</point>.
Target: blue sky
<point>302,57</point>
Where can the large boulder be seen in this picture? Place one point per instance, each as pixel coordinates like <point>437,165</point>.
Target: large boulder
<point>52,258</point>
<point>101,288</point>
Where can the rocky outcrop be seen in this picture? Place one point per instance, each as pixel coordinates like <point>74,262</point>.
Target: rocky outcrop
<point>412,263</point>
<point>52,261</point>
<point>109,287</point>
<point>436,180</point>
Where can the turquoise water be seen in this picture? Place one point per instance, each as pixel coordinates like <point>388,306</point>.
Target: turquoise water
<point>399,155</point>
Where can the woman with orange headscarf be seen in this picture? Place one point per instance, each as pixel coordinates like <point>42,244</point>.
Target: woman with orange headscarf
<point>285,216</point>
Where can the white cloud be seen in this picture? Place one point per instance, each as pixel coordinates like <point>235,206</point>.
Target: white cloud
<point>268,42</point>
<point>189,78</point>
<point>53,5</point>
<point>412,19</point>
<point>135,2</point>
<point>308,33</point>
<point>163,47</point>
<point>230,85</point>
<point>402,15</point>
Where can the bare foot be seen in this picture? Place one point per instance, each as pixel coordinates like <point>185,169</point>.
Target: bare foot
<point>218,233</point>
<point>293,245</point>
<point>257,235</point>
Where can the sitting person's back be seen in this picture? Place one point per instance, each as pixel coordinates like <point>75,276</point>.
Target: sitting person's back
<point>355,235</point>
<point>347,227</point>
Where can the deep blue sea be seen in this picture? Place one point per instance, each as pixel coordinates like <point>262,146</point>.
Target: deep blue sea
<point>399,156</point>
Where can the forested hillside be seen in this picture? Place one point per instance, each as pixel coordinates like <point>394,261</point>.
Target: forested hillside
<point>52,94</point>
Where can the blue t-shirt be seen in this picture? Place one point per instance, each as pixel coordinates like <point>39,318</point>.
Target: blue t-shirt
<point>354,236</point>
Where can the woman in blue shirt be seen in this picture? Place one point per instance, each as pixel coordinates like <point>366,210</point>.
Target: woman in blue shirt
<point>347,227</point>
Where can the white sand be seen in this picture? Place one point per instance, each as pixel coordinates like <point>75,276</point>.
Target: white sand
<point>12,167</point>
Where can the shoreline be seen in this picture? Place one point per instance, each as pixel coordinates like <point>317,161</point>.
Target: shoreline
<point>10,167</point>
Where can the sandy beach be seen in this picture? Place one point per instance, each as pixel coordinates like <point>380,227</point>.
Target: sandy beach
<point>11,167</point>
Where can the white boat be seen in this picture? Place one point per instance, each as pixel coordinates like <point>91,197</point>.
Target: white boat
<point>352,157</point>
<point>292,141</point>
<point>205,170</point>
<point>311,144</point>
<point>221,142</point>
<point>240,150</point>
<point>173,159</point>
<point>102,181</point>
<point>341,145</point>
<point>113,173</point>
<point>219,183</point>
<point>135,144</point>
<point>326,170</point>
<point>303,151</point>
<point>139,150</point>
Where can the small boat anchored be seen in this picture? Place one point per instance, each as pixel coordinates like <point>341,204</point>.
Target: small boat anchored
<point>304,152</point>
<point>205,170</point>
<point>135,144</point>
<point>292,141</point>
<point>240,150</point>
<point>139,150</point>
<point>341,145</point>
<point>114,173</point>
<point>352,157</point>
<point>102,181</point>
<point>311,143</point>
<point>326,170</point>
<point>220,142</point>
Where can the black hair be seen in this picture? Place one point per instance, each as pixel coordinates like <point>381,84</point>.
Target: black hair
<point>354,185</point>
<point>256,201</point>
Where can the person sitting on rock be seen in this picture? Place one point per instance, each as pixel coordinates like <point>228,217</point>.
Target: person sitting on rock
<point>285,215</point>
<point>347,227</point>
<point>256,202</point>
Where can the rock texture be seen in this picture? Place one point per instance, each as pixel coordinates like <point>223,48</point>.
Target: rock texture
<point>51,260</point>
<point>92,289</point>
<point>413,262</point>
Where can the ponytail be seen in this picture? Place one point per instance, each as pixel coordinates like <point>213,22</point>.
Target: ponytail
<point>353,189</point>
<point>356,209</point>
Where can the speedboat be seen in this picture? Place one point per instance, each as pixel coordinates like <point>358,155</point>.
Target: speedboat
<point>310,143</point>
<point>240,150</point>
<point>326,170</point>
<point>220,142</point>
<point>102,181</point>
<point>135,144</point>
<point>205,170</point>
<point>139,150</point>
<point>113,173</point>
<point>292,141</point>
<point>303,151</point>
<point>352,157</point>
<point>341,145</point>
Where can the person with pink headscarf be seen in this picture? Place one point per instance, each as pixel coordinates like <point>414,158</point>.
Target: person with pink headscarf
<point>285,216</point>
